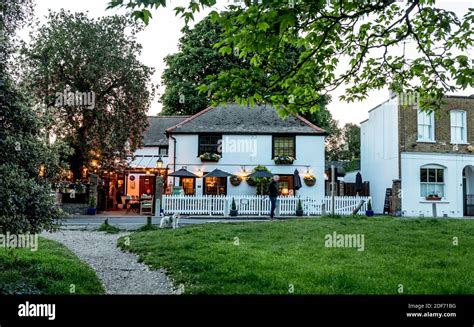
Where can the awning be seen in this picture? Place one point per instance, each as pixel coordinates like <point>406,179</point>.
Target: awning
<point>183,173</point>
<point>261,174</point>
<point>145,161</point>
<point>218,173</point>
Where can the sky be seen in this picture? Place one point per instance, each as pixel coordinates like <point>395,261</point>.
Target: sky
<point>160,38</point>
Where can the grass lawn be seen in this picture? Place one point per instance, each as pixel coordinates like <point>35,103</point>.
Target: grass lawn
<point>277,257</point>
<point>50,270</point>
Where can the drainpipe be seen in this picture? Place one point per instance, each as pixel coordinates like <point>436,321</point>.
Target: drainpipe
<point>174,157</point>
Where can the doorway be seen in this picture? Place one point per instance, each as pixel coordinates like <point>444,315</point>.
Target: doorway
<point>215,186</point>
<point>147,185</point>
<point>468,190</point>
<point>188,185</point>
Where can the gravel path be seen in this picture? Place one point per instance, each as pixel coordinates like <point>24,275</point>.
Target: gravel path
<point>119,271</point>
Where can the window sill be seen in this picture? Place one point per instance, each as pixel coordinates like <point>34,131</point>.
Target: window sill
<point>459,143</point>
<point>444,201</point>
<point>425,141</point>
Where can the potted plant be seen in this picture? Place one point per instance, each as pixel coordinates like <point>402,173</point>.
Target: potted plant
<point>233,209</point>
<point>235,180</point>
<point>309,180</point>
<point>299,208</point>
<point>210,157</point>
<point>369,212</point>
<point>92,206</point>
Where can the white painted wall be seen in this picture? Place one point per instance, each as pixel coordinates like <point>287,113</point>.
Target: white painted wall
<point>413,204</point>
<point>309,152</point>
<point>151,151</point>
<point>379,151</point>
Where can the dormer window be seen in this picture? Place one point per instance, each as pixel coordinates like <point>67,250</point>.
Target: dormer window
<point>425,126</point>
<point>458,127</point>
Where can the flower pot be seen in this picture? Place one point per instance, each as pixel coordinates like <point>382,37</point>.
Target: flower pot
<point>235,181</point>
<point>433,198</point>
<point>91,211</point>
<point>369,213</point>
<point>309,182</point>
<point>251,182</point>
<point>299,213</point>
<point>233,213</point>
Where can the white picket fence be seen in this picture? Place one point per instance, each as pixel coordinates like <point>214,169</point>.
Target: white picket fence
<point>259,205</point>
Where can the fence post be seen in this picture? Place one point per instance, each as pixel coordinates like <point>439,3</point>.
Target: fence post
<point>333,187</point>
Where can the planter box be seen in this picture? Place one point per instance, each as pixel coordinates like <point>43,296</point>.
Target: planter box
<point>299,213</point>
<point>369,213</point>
<point>433,198</point>
<point>283,162</point>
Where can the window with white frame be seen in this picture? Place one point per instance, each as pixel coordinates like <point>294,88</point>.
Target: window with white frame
<point>432,181</point>
<point>458,127</point>
<point>425,126</point>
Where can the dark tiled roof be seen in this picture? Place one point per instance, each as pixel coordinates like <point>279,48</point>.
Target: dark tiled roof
<point>242,119</point>
<point>155,134</point>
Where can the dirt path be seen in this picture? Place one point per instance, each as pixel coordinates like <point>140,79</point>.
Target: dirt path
<point>120,272</point>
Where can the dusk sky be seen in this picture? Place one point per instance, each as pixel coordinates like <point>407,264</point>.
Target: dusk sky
<point>161,36</point>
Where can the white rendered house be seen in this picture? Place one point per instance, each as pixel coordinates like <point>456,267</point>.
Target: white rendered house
<point>244,138</point>
<point>430,154</point>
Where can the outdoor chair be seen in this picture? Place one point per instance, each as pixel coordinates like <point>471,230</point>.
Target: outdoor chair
<point>146,206</point>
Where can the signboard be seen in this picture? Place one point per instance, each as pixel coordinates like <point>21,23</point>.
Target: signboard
<point>386,205</point>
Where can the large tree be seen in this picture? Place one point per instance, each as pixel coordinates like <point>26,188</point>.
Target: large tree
<point>98,59</point>
<point>345,42</point>
<point>198,58</point>
<point>351,134</point>
<point>188,68</point>
<point>28,163</point>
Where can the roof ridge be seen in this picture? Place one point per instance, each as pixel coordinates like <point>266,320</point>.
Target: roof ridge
<point>189,119</point>
<point>169,116</point>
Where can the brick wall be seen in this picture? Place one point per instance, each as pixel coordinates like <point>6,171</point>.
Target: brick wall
<point>408,128</point>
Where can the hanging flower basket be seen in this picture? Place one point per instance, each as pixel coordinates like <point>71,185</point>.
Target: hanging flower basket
<point>235,180</point>
<point>283,160</point>
<point>251,182</point>
<point>214,157</point>
<point>309,180</point>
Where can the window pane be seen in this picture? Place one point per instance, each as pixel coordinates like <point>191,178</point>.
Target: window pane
<point>283,146</point>
<point>164,151</point>
<point>209,143</point>
<point>440,175</point>
<point>423,175</point>
<point>424,190</point>
<point>431,175</point>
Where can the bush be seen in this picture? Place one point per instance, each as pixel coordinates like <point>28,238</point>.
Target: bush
<point>27,206</point>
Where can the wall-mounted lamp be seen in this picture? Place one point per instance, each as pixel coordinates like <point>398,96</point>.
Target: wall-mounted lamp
<point>159,163</point>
